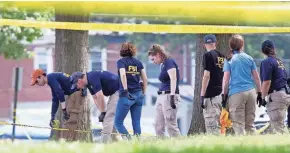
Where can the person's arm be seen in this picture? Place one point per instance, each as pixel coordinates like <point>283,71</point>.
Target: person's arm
<point>205,81</point>
<point>265,88</point>
<point>145,81</point>
<point>206,73</point>
<point>99,100</point>
<point>257,80</point>
<point>172,75</point>
<point>54,106</point>
<point>226,80</point>
<point>59,93</point>
<point>123,78</point>
<point>256,76</point>
<point>266,71</point>
<point>226,77</point>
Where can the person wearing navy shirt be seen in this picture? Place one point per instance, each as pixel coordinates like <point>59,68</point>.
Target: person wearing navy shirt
<point>130,70</point>
<point>211,87</point>
<point>168,97</point>
<point>100,84</point>
<point>274,85</point>
<point>60,85</point>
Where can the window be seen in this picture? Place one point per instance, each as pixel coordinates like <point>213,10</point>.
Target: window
<point>43,59</point>
<point>43,67</point>
<point>153,100</point>
<point>96,61</point>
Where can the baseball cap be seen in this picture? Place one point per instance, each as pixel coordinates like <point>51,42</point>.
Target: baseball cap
<point>268,44</point>
<point>209,39</point>
<point>35,74</point>
<point>74,79</point>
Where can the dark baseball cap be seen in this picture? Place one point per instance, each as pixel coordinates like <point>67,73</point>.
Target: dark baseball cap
<point>208,39</point>
<point>268,44</point>
<point>74,79</point>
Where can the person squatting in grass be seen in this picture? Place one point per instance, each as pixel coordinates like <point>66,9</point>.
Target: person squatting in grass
<point>211,88</point>
<point>240,78</point>
<point>131,96</point>
<point>100,84</point>
<point>168,98</point>
<point>60,85</point>
<point>274,84</point>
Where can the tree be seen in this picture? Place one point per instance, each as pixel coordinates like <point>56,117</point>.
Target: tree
<point>197,125</point>
<point>12,38</point>
<point>71,55</point>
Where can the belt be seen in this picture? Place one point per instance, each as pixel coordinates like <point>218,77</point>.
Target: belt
<point>280,89</point>
<point>166,92</point>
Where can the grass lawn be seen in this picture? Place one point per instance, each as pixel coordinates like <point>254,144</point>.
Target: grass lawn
<point>198,144</point>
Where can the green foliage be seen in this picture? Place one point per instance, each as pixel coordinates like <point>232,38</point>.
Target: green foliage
<point>13,38</point>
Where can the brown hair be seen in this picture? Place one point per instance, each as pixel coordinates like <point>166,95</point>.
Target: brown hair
<point>128,49</point>
<point>269,51</point>
<point>236,43</point>
<point>158,49</point>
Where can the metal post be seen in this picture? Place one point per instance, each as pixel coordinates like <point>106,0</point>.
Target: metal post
<point>15,100</point>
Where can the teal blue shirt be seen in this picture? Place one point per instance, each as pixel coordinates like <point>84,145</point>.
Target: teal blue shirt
<point>240,67</point>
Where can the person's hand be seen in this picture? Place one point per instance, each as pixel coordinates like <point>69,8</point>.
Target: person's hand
<point>84,92</point>
<point>129,96</point>
<point>102,116</point>
<point>224,100</point>
<point>259,99</point>
<point>51,123</point>
<point>202,102</point>
<point>65,115</point>
<point>264,102</point>
<point>172,102</point>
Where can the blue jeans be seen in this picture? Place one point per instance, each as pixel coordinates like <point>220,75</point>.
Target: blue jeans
<point>123,107</point>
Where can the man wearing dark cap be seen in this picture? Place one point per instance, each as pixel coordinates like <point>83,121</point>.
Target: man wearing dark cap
<point>60,88</point>
<point>274,85</point>
<point>211,85</point>
<point>100,84</point>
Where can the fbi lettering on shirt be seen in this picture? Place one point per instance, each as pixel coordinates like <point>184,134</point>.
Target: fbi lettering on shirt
<point>280,65</point>
<point>132,70</point>
<point>220,62</point>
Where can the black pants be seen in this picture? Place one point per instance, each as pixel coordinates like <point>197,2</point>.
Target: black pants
<point>288,117</point>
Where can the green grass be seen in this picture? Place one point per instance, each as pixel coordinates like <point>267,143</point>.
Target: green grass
<point>198,144</point>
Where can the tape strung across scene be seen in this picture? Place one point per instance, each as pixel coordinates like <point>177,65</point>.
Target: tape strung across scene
<point>144,28</point>
<point>61,129</point>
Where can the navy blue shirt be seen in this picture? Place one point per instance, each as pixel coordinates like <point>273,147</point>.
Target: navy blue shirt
<point>60,85</point>
<point>164,76</point>
<point>102,80</point>
<point>133,69</point>
<point>274,70</point>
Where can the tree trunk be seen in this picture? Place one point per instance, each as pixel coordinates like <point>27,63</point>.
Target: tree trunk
<point>71,55</point>
<point>197,125</point>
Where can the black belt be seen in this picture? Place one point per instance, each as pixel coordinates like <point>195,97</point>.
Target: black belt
<point>166,92</point>
<point>280,89</point>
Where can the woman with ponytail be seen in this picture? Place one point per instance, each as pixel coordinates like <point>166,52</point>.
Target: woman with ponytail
<point>274,84</point>
<point>239,82</point>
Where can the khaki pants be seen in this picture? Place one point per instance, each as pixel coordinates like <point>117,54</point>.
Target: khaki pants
<point>166,116</point>
<point>212,113</point>
<point>242,107</point>
<point>108,124</point>
<point>277,110</point>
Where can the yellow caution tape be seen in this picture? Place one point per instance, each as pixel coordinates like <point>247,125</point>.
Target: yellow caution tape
<point>198,12</point>
<point>61,129</point>
<point>144,28</point>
